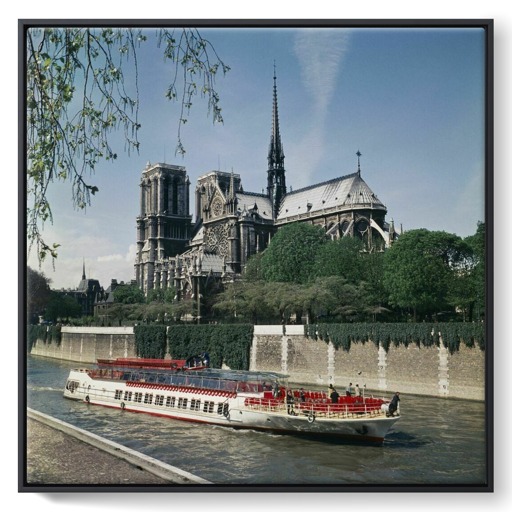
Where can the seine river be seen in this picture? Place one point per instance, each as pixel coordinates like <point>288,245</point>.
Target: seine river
<point>436,442</point>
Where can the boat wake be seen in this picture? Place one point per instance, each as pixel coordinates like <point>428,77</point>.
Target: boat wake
<point>44,388</point>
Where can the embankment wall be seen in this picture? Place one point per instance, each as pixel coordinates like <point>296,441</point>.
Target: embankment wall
<point>420,370</point>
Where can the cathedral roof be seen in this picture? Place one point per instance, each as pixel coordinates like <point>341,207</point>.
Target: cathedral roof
<point>346,192</point>
<point>247,201</point>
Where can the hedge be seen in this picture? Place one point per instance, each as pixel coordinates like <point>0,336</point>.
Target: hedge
<point>228,344</point>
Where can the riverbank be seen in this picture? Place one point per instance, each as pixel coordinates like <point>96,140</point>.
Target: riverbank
<point>59,454</point>
<point>414,369</point>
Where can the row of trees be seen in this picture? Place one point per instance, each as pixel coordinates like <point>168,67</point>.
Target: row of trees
<point>424,276</point>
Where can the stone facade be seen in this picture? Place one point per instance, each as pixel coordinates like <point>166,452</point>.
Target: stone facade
<point>231,224</point>
<point>411,370</point>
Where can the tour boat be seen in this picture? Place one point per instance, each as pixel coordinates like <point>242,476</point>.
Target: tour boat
<point>189,390</point>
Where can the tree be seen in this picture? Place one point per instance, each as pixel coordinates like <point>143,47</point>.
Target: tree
<point>82,84</point>
<point>291,254</point>
<point>419,268</point>
<point>477,243</point>
<point>160,295</point>
<point>38,294</point>
<point>129,294</point>
<point>343,257</point>
<point>62,307</point>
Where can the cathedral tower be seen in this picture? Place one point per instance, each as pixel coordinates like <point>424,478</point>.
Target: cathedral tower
<point>164,223</point>
<point>276,180</point>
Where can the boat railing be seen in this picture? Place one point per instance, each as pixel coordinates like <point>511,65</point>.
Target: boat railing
<point>319,410</point>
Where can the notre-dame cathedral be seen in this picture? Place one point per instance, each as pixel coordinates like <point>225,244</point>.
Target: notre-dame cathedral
<point>230,224</point>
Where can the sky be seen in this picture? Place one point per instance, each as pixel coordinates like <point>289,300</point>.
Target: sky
<point>410,100</point>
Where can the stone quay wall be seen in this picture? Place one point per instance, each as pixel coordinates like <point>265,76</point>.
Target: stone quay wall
<point>430,371</point>
<point>87,344</point>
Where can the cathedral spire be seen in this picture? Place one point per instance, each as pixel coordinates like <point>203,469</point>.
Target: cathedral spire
<point>83,271</point>
<point>275,152</point>
<point>276,181</point>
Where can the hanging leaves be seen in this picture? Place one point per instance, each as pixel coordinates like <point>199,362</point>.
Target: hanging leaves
<point>423,334</point>
<point>226,343</point>
<point>150,341</point>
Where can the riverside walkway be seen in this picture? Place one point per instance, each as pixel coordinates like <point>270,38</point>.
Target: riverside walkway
<point>60,454</point>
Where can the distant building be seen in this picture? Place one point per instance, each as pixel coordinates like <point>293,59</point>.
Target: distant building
<point>86,293</point>
<point>105,299</point>
<point>232,224</point>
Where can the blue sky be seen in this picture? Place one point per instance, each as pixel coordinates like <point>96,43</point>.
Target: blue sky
<point>411,100</point>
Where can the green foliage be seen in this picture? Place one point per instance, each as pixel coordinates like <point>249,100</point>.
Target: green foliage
<point>291,254</point>
<point>423,334</point>
<point>62,307</point>
<point>161,296</point>
<point>477,276</point>
<point>150,341</point>
<point>82,85</point>
<point>275,302</point>
<point>418,269</point>
<point>226,344</point>
<point>253,269</point>
<point>35,332</point>
<point>46,333</point>
<point>129,294</point>
<point>38,294</point>
<point>341,258</point>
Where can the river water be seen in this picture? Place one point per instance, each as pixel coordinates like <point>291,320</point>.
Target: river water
<point>436,442</point>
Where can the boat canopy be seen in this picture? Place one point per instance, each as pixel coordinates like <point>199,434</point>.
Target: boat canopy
<point>209,378</point>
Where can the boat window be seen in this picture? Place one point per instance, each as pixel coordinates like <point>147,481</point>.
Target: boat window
<point>138,397</point>
<point>148,398</point>
<point>171,400</point>
<point>119,394</point>
<point>159,400</point>
<point>71,385</point>
<point>208,406</point>
<point>182,403</point>
<point>128,396</point>
<point>195,405</point>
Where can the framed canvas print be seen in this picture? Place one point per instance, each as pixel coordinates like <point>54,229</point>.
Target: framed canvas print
<point>257,255</point>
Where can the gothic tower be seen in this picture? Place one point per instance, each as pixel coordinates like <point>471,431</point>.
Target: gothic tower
<point>276,181</point>
<point>164,223</point>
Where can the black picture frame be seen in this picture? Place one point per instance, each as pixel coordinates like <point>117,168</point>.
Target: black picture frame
<point>486,25</point>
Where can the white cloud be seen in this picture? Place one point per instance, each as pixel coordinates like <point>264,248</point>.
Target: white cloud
<point>320,53</point>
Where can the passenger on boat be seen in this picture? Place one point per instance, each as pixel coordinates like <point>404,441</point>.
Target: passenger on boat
<point>334,397</point>
<point>349,390</point>
<point>289,402</point>
<point>206,359</point>
<point>275,389</point>
<point>393,405</point>
<point>358,391</point>
<point>302,395</point>
<point>330,389</point>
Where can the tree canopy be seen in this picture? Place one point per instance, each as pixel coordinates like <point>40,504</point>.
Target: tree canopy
<point>291,255</point>
<point>38,294</point>
<point>419,269</point>
<point>82,85</point>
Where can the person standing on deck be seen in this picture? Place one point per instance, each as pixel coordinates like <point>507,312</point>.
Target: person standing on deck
<point>393,405</point>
